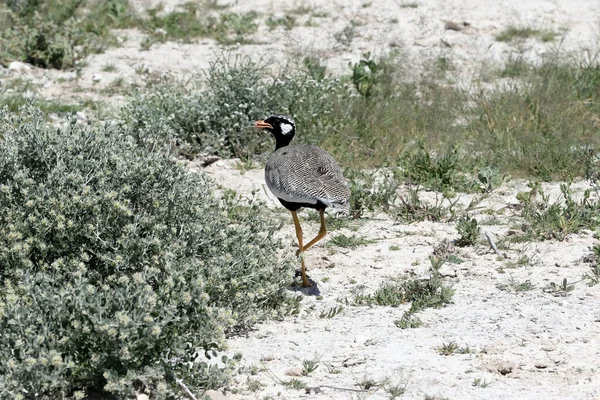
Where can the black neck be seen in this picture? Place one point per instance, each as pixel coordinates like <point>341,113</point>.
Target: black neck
<point>282,140</point>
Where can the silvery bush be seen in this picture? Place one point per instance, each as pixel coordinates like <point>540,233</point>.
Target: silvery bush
<point>118,267</point>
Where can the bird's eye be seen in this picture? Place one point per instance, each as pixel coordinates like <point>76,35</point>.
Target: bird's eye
<point>286,128</point>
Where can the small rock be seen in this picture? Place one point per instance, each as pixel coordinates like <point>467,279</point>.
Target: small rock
<point>350,362</point>
<point>541,365</point>
<point>18,66</point>
<point>80,116</point>
<point>142,396</point>
<point>447,271</point>
<point>453,26</point>
<point>216,395</point>
<point>267,357</point>
<point>96,78</point>
<point>505,369</point>
<point>313,390</point>
<point>296,371</point>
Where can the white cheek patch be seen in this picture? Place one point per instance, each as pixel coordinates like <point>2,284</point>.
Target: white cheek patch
<point>286,128</point>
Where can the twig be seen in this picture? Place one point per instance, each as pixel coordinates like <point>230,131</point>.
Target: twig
<point>491,242</point>
<point>185,388</point>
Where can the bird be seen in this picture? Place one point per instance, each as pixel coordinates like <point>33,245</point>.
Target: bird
<point>303,176</point>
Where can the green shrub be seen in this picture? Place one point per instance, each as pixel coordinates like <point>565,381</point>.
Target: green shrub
<point>215,116</point>
<point>446,173</point>
<point>117,265</point>
<point>58,33</point>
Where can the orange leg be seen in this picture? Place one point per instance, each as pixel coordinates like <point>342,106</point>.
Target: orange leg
<point>305,282</point>
<point>320,235</point>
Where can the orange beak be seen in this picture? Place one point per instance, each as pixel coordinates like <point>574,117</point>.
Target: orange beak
<point>262,125</point>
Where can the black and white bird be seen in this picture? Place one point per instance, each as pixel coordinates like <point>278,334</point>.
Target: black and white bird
<point>302,176</point>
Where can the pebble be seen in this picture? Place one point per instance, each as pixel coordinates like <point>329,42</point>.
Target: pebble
<point>267,357</point>
<point>296,371</point>
<point>96,78</point>
<point>18,66</point>
<point>216,395</point>
<point>142,396</point>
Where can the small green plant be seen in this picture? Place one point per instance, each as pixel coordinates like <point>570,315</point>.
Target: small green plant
<point>512,33</point>
<point>479,382</point>
<point>394,247</point>
<point>367,383</point>
<point>371,191</point>
<point>563,288</point>
<point>516,286</point>
<point>447,349</point>
<point>332,369</point>
<point>254,385</point>
<point>309,366</point>
<point>464,350</point>
<point>395,390</point>
<point>294,383</point>
<point>351,242</point>
<point>365,75</point>
<point>109,68</point>
<point>287,22</point>
<point>445,173</point>
<point>346,35</point>
<point>490,178</point>
<point>469,231</point>
<point>594,275</point>
<point>332,312</point>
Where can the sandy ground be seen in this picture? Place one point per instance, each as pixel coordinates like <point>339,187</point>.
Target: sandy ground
<point>524,345</point>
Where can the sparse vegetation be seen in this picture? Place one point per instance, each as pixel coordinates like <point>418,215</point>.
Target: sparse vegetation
<point>287,22</point>
<point>332,312</point>
<point>516,286</point>
<point>512,33</point>
<point>192,21</point>
<point>563,289</point>
<point>559,219</point>
<point>541,128</point>
<point>423,293</point>
<point>594,259</point>
<point>351,242</point>
<point>59,33</point>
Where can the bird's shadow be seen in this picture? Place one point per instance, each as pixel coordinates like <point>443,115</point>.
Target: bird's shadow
<point>296,286</point>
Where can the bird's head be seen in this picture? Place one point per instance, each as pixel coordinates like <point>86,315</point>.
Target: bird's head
<point>281,126</point>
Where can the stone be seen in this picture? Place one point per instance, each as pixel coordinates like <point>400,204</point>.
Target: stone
<point>19,66</point>
<point>296,371</point>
